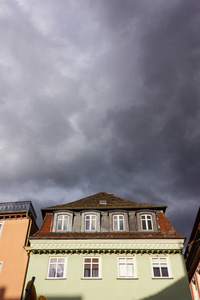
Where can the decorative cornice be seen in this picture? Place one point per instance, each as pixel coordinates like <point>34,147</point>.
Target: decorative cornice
<point>10,216</point>
<point>105,248</point>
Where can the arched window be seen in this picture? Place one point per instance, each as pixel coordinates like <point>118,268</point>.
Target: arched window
<point>90,222</point>
<point>146,222</point>
<point>63,223</point>
<point>118,222</point>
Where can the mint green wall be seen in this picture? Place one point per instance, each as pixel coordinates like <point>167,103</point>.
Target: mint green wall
<point>107,288</point>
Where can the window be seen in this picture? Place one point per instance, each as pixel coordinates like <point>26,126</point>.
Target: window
<point>63,223</point>
<point>91,267</point>
<point>90,222</point>
<point>1,263</point>
<point>56,267</point>
<point>126,267</point>
<point>160,267</point>
<point>102,202</point>
<point>118,222</point>
<point>1,227</point>
<point>146,222</point>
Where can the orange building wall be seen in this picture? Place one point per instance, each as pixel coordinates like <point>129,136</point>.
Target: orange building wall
<point>14,257</point>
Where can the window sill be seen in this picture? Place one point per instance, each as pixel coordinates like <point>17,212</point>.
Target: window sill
<point>127,278</point>
<point>91,278</point>
<point>55,278</point>
<point>162,278</point>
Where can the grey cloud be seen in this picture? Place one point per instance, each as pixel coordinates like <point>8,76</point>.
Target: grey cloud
<point>100,96</point>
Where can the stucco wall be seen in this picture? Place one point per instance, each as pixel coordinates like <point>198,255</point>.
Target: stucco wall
<point>109,287</point>
<point>14,258</point>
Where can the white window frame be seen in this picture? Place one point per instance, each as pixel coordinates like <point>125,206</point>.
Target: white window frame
<point>116,218</point>
<point>62,217</point>
<point>160,264</point>
<point>1,264</point>
<point>91,263</point>
<point>49,263</point>
<point>54,227</point>
<point>126,264</point>
<point>92,217</point>
<point>146,220</point>
<point>1,227</point>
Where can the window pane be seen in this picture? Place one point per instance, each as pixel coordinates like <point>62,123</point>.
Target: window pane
<point>121,217</point>
<point>156,272</point>
<point>122,260</point>
<point>130,270</point>
<point>163,260</point>
<point>144,224</point>
<point>164,271</point>
<point>88,260</point>
<point>65,224</point>
<point>60,270</point>
<point>95,270</point>
<point>149,225</point>
<point>87,270</point>
<point>122,270</point>
<point>53,260</point>
<point>95,260</point>
<point>61,260</point>
<point>87,225</point>
<point>59,227</point>
<point>115,227</point>
<point>149,217</point>
<point>52,270</point>
<point>121,225</point>
<point>93,225</point>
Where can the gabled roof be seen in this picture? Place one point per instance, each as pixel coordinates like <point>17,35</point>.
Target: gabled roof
<point>110,202</point>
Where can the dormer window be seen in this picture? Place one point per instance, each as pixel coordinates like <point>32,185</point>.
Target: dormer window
<point>146,222</point>
<point>118,222</point>
<point>62,223</point>
<point>90,222</point>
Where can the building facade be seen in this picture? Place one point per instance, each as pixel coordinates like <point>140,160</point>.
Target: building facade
<point>103,246</point>
<point>192,256</point>
<point>17,223</point>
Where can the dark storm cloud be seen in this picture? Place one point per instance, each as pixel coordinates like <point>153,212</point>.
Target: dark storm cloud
<point>101,96</point>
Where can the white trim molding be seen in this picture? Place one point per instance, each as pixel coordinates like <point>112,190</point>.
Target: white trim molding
<point>107,246</point>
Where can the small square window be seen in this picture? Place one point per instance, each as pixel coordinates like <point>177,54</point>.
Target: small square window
<point>91,267</point>
<point>56,268</point>
<point>160,267</point>
<point>102,202</point>
<point>126,267</point>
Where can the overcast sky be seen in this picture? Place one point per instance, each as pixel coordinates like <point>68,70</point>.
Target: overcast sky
<point>101,96</point>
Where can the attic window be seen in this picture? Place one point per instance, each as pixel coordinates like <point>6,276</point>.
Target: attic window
<point>102,202</point>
